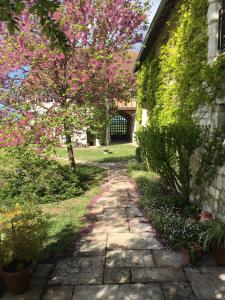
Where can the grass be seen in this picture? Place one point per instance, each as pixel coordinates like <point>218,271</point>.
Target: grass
<point>113,153</point>
<point>68,217</point>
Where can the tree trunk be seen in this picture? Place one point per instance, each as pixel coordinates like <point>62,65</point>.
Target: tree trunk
<point>107,131</point>
<point>69,147</point>
<point>107,136</point>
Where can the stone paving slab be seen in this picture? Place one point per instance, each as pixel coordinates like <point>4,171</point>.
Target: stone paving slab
<point>43,270</point>
<point>122,259</point>
<point>79,270</point>
<point>137,226</point>
<point>119,292</point>
<point>105,217</point>
<point>117,275</point>
<point>134,212</point>
<point>114,212</point>
<point>58,293</point>
<point>129,258</point>
<point>143,275</point>
<point>167,258</point>
<point>208,283</point>
<point>90,248</point>
<point>132,241</point>
<point>177,291</point>
<point>97,209</point>
<point>109,229</point>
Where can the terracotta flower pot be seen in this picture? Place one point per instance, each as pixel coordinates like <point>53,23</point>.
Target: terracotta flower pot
<point>219,254</point>
<point>206,215</point>
<point>18,282</point>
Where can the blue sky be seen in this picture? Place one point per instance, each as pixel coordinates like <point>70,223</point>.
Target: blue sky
<point>155,5</point>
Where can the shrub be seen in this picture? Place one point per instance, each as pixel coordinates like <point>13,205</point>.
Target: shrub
<point>166,210</point>
<point>23,232</point>
<point>214,235</point>
<point>168,151</point>
<point>138,154</point>
<point>37,178</point>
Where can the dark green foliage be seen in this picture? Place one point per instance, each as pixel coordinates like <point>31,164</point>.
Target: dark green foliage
<point>214,77</point>
<point>167,151</point>
<point>138,154</point>
<point>214,235</point>
<point>40,179</point>
<point>211,156</point>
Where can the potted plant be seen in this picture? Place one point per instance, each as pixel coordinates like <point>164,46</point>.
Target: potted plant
<point>214,238</point>
<point>22,233</point>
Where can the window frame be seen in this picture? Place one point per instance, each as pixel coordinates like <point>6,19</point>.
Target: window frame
<point>221,38</point>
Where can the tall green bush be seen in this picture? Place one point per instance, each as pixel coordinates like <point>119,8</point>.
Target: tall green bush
<point>168,151</point>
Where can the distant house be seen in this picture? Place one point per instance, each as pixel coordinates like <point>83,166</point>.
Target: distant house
<point>191,32</point>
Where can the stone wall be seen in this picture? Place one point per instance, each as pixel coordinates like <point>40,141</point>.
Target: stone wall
<point>214,197</point>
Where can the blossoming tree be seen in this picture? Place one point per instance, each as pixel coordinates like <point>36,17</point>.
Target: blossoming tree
<point>62,91</point>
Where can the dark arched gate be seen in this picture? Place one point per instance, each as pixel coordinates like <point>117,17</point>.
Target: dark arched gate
<point>119,129</point>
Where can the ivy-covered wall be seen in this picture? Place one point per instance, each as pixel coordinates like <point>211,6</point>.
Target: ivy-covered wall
<point>171,83</point>
<point>182,78</point>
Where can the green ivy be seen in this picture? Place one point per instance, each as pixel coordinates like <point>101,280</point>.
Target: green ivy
<point>172,81</point>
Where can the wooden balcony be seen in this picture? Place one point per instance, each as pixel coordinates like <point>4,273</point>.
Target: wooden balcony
<point>123,105</point>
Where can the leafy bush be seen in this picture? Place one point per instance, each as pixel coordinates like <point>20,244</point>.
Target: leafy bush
<point>37,178</point>
<point>23,232</point>
<point>168,151</point>
<point>214,235</point>
<point>138,154</point>
<point>166,210</point>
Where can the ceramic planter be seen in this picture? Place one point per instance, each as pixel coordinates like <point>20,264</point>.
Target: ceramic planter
<point>18,282</point>
<point>206,215</point>
<point>219,254</point>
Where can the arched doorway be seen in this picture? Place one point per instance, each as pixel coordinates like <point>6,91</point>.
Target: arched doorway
<point>119,129</point>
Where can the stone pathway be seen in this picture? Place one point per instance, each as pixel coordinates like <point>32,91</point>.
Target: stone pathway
<point>122,259</point>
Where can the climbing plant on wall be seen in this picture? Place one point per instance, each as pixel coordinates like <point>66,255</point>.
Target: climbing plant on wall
<point>171,81</point>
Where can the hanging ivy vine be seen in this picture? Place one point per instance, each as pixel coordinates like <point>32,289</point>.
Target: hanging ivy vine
<point>172,80</point>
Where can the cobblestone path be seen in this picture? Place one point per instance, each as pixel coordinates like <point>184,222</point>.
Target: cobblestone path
<point>121,259</point>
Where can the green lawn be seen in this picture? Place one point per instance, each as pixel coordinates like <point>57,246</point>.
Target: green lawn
<point>113,153</point>
<point>68,217</point>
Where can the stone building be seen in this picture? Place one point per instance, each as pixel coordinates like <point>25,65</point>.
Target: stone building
<point>213,115</point>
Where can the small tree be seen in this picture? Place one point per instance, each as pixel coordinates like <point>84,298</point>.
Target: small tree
<point>58,88</point>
